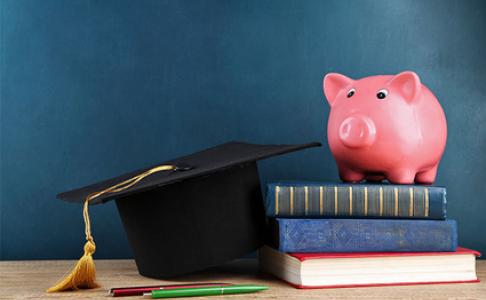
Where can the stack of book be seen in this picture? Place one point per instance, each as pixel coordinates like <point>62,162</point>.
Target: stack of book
<point>347,235</point>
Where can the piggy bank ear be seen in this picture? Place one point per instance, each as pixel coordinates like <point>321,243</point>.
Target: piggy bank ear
<point>407,84</point>
<point>332,84</point>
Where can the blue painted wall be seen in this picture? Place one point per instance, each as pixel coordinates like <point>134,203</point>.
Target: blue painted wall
<point>91,89</point>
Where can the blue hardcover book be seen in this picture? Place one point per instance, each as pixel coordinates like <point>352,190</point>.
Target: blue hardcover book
<point>318,200</point>
<point>363,235</point>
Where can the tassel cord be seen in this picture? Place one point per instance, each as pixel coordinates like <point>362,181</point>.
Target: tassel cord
<point>83,274</point>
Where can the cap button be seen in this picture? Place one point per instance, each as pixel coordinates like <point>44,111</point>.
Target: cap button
<point>183,167</point>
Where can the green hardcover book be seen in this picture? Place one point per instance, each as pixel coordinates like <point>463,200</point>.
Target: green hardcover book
<point>325,200</point>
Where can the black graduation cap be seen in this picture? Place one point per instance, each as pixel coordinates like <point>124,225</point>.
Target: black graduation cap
<point>206,209</point>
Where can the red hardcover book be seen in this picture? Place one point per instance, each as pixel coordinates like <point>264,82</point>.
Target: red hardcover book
<point>341,270</point>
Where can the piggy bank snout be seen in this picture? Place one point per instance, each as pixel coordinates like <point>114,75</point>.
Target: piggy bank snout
<point>357,132</point>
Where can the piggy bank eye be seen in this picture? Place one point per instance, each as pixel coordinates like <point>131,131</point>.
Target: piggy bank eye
<point>382,94</point>
<point>351,93</point>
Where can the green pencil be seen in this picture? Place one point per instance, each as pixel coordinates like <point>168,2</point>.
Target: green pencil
<point>206,291</point>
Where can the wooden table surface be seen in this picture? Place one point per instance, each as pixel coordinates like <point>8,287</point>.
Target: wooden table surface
<point>29,280</point>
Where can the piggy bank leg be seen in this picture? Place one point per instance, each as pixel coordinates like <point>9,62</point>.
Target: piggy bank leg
<point>428,176</point>
<point>349,175</point>
<point>401,176</point>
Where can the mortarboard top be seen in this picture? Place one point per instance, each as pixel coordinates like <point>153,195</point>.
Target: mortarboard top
<point>206,211</point>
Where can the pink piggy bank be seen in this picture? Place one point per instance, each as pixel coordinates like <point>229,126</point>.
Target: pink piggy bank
<point>385,127</point>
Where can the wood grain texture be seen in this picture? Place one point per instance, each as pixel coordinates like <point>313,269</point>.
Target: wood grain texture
<point>29,280</point>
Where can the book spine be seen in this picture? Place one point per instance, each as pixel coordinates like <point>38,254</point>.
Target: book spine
<point>365,235</point>
<point>355,201</point>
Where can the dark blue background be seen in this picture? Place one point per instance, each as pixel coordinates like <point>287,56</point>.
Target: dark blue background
<point>91,89</point>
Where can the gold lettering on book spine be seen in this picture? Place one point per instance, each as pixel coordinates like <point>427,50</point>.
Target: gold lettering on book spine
<point>321,200</point>
<point>335,200</point>
<point>350,201</point>
<point>410,210</point>
<point>396,201</point>
<point>366,201</point>
<point>381,201</point>
<point>291,200</point>
<point>277,191</point>
<point>306,191</point>
<point>426,195</point>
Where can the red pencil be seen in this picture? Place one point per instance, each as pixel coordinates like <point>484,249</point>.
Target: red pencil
<point>139,290</point>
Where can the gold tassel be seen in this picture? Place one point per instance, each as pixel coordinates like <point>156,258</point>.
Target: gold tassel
<point>83,275</point>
